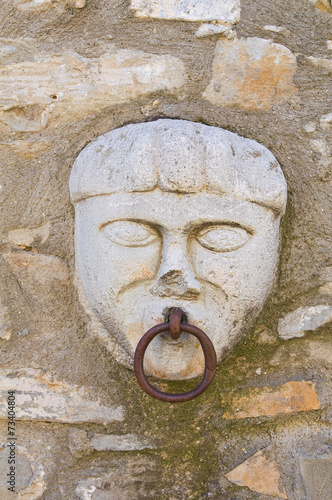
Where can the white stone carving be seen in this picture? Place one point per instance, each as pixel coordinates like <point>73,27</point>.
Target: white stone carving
<point>173,213</point>
<point>227,11</point>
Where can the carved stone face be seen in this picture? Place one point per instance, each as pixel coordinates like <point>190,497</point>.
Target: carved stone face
<point>177,243</point>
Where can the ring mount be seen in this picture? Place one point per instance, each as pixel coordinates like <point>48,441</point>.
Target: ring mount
<point>174,326</point>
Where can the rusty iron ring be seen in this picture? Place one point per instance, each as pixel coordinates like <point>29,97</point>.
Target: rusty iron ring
<point>174,328</point>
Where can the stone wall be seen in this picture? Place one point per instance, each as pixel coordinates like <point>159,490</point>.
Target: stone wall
<point>72,70</point>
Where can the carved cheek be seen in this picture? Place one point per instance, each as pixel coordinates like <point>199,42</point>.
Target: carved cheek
<point>215,268</point>
<point>130,265</point>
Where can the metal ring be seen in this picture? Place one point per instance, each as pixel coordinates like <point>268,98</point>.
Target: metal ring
<point>210,364</point>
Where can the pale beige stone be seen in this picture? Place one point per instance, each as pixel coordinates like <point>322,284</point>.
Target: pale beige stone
<point>126,442</point>
<point>5,322</point>
<point>80,444</point>
<point>255,402</point>
<point>326,121</point>
<point>38,5</point>
<point>252,74</point>
<point>320,62</point>
<point>227,11</point>
<point>259,473</point>
<point>40,397</point>
<point>323,5</point>
<point>25,149</point>
<point>210,29</point>
<point>303,319</point>
<point>69,87</point>
<point>29,237</point>
<point>310,127</point>
<point>33,269</point>
<point>277,29</point>
<point>29,475</point>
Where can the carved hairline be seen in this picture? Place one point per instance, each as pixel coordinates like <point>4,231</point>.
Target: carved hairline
<point>178,156</point>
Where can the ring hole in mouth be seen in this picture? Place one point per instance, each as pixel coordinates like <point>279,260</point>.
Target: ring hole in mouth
<point>166,314</point>
<point>184,319</point>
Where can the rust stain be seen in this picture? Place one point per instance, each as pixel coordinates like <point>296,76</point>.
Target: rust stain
<point>141,271</point>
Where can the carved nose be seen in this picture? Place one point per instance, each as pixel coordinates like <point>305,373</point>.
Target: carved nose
<point>175,277</point>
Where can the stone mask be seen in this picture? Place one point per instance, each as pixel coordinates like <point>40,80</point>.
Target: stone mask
<point>173,213</point>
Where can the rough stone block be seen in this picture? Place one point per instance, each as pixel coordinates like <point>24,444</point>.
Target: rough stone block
<point>256,402</point>
<point>69,87</point>
<point>39,397</point>
<point>252,74</point>
<point>227,11</point>
<point>259,473</point>
<point>297,323</point>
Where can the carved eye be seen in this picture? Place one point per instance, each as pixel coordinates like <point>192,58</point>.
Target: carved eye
<point>130,234</point>
<point>223,238</point>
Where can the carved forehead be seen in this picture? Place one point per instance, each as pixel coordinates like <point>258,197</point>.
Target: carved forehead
<point>179,156</point>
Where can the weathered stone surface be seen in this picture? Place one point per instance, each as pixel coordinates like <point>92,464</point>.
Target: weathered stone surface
<point>297,323</point>
<point>326,121</point>
<point>40,5</point>
<point>277,29</point>
<point>80,444</point>
<point>130,480</point>
<point>25,149</point>
<point>320,63</point>
<point>310,127</point>
<point>222,177</point>
<point>317,476</point>
<point>256,402</point>
<point>252,74</point>
<point>259,473</point>
<point>227,11</point>
<point>33,269</point>
<point>40,397</point>
<point>68,87</point>
<point>323,5</point>
<point>29,484</point>
<point>126,442</point>
<point>5,322</point>
<point>29,238</point>
<point>210,29</point>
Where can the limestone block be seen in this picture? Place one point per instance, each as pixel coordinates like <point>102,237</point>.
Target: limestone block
<point>226,11</point>
<point>69,87</point>
<point>39,5</point>
<point>320,63</point>
<point>317,476</point>
<point>80,444</point>
<point>323,5</point>
<point>210,29</point>
<point>40,397</point>
<point>303,319</point>
<point>128,480</point>
<point>29,237</point>
<point>326,121</point>
<point>5,322</point>
<point>25,149</point>
<point>277,29</point>
<point>36,270</point>
<point>259,473</point>
<point>255,402</point>
<point>126,442</point>
<point>29,483</point>
<point>252,74</point>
